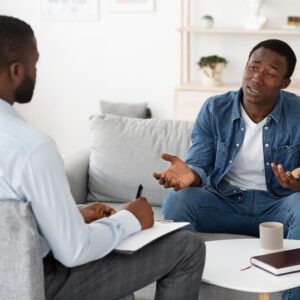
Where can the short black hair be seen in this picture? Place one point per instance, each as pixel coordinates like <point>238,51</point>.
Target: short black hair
<point>15,37</point>
<point>281,48</point>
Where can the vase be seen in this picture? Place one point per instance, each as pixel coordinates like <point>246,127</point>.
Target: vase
<point>255,20</point>
<point>213,76</point>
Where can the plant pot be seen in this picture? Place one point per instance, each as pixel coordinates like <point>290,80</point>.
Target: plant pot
<point>207,22</point>
<point>213,76</point>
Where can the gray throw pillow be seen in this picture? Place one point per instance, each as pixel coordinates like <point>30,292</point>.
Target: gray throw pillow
<point>131,110</point>
<point>126,151</point>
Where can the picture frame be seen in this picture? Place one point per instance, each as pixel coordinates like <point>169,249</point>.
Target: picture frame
<point>132,5</point>
<point>70,10</point>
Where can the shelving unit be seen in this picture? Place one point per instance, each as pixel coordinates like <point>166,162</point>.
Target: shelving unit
<point>189,96</point>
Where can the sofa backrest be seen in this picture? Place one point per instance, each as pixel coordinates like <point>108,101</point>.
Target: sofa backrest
<point>21,267</point>
<point>126,151</point>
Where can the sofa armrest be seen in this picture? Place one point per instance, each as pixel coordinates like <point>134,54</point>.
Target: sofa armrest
<point>76,168</point>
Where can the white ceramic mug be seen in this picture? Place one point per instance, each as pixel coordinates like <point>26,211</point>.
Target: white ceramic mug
<point>271,235</point>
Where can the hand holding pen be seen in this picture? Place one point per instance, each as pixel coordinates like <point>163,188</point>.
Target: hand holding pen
<point>141,209</point>
<point>139,191</point>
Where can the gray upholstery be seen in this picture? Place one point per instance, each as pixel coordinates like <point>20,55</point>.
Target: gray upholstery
<point>77,173</point>
<point>126,151</point>
<point>21,269</point>
<point>132,110</point>
<point>120,166</point>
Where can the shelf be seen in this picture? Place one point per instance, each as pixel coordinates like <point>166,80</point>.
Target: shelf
<point>238,30</point>
<point>225,87</point>
<point>199,87</point>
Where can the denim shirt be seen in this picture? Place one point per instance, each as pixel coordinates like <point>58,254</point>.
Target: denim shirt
<point>219,131</point>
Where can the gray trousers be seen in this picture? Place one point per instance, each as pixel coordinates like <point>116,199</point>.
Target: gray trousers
<point>175,262</point>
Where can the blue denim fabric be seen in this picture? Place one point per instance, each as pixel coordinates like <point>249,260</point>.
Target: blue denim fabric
<point>219,131</point>
<point>221,207</point>
<point>211,212</point>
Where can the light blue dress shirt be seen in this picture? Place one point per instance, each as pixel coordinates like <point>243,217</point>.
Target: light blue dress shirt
<point>31,169</point>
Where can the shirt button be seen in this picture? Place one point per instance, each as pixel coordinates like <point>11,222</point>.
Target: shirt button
<point>266,127</point>
<point>230,161</point>
<point>267,163</point>
<point>242,128</point>
<point>234,191</point>
<point>267,145</point>
<point>237,145</point>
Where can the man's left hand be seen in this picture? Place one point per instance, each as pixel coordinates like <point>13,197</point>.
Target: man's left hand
<point>289,179</point>
<point>95,211</point>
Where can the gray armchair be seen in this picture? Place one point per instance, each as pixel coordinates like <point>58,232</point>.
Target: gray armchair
<point>21,267</point>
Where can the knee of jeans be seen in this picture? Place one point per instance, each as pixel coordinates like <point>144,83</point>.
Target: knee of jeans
<point>174,205</point>
<point>294,205</point>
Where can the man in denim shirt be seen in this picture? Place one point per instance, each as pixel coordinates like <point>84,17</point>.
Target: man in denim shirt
<point>242,168</point>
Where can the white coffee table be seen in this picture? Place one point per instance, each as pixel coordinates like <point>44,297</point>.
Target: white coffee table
<point>226,258</point>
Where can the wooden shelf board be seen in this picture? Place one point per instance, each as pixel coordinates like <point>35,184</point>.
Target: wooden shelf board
<point>237,30</point>
<point>225,87</point>
<point>199,87</point>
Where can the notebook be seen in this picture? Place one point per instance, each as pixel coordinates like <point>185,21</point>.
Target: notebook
<point>142,238</point>
<point>278,263</point>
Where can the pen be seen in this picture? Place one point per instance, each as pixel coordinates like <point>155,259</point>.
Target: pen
<point>139,191</point>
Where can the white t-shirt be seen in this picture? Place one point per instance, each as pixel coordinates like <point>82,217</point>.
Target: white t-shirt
<point>248,171</point>
<point>32,170</point>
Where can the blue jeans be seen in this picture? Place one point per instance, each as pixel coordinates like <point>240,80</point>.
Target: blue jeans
<point>210,212</point>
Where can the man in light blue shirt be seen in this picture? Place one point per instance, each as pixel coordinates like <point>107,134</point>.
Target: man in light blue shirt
<point>31,170</point>
<point>242,168</point>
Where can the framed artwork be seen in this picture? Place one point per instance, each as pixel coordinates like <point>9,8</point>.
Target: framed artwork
<point>74,10</point>
<point>132,5</point>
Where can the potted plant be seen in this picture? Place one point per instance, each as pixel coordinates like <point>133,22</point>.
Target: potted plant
<point>212,67</point>
<point>207,21</point>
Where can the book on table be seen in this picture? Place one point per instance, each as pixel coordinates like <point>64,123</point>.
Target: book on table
<point>144,237</point>
<point>278,263</point>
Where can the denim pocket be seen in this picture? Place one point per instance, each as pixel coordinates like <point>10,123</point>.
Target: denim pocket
<point>221,153</point>
<point>288,156</point>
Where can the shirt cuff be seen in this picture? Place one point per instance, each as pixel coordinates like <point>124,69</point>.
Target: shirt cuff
<point>200,173</point>
<point>129,222</point>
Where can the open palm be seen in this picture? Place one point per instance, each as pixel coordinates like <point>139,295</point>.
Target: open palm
<point>177,176</point>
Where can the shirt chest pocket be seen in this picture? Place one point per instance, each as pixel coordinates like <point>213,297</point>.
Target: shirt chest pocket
<point>221,153</point>
<point>288,156</point>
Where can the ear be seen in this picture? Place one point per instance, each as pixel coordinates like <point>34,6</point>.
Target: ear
<point>285,83</point>
<point>16,73</point>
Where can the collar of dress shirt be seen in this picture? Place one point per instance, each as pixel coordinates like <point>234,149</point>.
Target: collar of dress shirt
<point>8,109</point>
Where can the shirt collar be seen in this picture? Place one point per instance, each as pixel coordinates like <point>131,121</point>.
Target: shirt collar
<point>275,113</point>
<point>8,109</point>
<point>236,111</point>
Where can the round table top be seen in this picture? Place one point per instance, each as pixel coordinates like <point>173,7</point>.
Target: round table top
<point>226,258</point>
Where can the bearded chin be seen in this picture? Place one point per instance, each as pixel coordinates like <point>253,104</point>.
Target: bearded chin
<point>24,92</point>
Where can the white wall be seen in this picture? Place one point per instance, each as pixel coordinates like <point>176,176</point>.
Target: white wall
<point>130,57</point>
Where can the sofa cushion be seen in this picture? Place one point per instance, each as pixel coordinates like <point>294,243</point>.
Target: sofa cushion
<point>132,110</point>
<point>126,151</point>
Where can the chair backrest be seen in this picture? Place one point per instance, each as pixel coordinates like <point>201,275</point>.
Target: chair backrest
<point>21,266</point>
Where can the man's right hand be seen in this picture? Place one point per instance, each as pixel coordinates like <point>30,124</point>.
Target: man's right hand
<point>178,176</point>
<point>142,210</point>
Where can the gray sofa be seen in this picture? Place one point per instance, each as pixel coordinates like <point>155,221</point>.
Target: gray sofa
<point>123,153</point>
